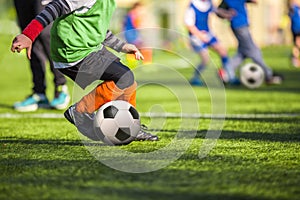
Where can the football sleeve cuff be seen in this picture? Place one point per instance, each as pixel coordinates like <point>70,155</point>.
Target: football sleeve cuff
<point>33,29</point>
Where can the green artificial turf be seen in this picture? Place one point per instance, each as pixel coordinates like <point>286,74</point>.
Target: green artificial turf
<point>254,158</point>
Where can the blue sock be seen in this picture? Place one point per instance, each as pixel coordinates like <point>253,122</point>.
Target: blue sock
<point>224,60</point>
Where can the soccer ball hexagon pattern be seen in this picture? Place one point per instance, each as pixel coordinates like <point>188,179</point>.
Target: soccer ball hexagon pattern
<point>117,123</point>
<point>252,75</point>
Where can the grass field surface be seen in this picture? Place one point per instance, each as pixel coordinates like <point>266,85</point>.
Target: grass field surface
<point>256,156</point>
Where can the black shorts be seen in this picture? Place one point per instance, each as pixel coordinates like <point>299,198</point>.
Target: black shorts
<point>100,65</point>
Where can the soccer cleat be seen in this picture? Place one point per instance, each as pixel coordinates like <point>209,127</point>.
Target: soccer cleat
<point>230,73</point>
<point>32,103</point>
<point>69,114</point>
<point>235,82</point>
<point>196,82</point>
<point>276,79</point>
<point>223,75</point>
<point>62,100</point>
<point>145,136</point>
<point>84,122</point>
<point>230,80</point>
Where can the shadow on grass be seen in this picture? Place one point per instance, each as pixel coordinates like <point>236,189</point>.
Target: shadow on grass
<point>235,135</point>
<point>276,137</point>
<point>89,179</point>
<point>74,174</point>
<point>51,142</point>
<point>7,106</point>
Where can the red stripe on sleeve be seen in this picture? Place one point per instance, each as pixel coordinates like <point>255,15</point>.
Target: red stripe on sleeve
<point>33,29</point>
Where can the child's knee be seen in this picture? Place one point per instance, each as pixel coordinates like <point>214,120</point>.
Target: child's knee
<point>126,80</point>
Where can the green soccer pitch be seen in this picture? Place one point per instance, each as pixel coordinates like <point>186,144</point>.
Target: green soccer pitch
<point>257,155</point>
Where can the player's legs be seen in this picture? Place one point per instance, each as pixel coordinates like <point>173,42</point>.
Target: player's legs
<point>89,70</point>
<point>25,12</point>
<point>118,84</point>
<point>101,65</point>
<point>296,50</point>
<point>117,79</point>
<point>248,49</point>
<point>204,56</point>
<point>236,61</point>
<point>257,58</point>
<point>227,72</point>
<point>219,49</point>
<point>37,64</point>
<point>61,95</point>
<point>201,49</point>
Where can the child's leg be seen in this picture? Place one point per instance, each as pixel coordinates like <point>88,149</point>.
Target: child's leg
<point>296,51</point>
<point>118,84</point>
<point>225,60</point>
<point>195,80</point>
<point>129,94</point>
<point>222,53</point>
<point>103,93</point>
<point>204,55</point>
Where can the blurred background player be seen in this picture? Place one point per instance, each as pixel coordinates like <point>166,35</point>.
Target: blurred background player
<point>26,11</point>
<point>246,47</point>
<point>196,20</point>
<point>294,14</point>
<point>132,23</point>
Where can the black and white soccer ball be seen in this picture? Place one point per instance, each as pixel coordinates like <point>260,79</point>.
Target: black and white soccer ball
<point>117,123</point>
<point>252,75</point>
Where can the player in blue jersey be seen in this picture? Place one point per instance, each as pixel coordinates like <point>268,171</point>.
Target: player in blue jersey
<point>246,47</point>
<point>196,21</point>
<point>294,14</point>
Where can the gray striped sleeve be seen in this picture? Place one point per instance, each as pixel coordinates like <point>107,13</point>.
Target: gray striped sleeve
<point>113,42</point>
<point>52,11</point>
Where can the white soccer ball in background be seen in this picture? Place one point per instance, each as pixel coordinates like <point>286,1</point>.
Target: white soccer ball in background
<point>117,123</point>
<point>252,75</point>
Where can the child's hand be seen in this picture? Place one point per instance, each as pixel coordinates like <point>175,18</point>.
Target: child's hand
<point>22,42</point>
<point>203,36</point>
<point>132,49</point>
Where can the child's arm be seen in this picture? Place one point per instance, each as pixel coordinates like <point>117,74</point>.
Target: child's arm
<point>120,46</point>
<point>132,49</point>
<point>34,28</point>
<point>202,35</point>
<point>53,10</point>
<point>113,42</point>
<point>224,11</point>
<point>225,14</point>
